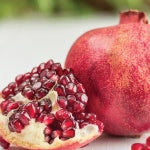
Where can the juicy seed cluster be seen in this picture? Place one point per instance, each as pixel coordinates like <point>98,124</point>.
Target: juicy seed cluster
<point>139,146</point>
<point>39,110</point>
<point>62,124</point>
<point>34,86</point>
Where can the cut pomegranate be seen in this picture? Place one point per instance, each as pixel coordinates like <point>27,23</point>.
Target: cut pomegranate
<point>45,109</point>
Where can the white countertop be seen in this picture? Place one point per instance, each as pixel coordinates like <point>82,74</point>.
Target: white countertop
<point>26,43</point>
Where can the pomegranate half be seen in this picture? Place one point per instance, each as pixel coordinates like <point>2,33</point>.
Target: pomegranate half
<point>45,109</point>
<point>113,63</point>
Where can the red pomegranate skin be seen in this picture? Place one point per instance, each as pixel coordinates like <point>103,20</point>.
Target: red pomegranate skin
<point>113,63</point>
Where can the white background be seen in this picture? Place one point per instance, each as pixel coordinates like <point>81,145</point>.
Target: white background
<point>27,43</point>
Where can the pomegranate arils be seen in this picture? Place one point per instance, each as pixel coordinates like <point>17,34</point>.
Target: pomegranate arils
<point>36,86</point>
<point>56,124</point>
<point>27,76</point>
<point>54,77</point>
<point>47,104</point>
<point>12,105</point>
<point>62,114</point>
<point>91,118</point>
<point>41,93</point>
<point>67,71</point>
<point>34,70</point>
<point>56,133</point>
<point>71,99</point>
<point>137,146</point>
<point>6,92</point>
<point>62,101</point>
<point>78,107</point>
<point>24,118</point>
<point>16,90</point>
<point>72,77</point>
<point>28,93</point>
<point>43,79</point>
<point>57,67</point>
<point>47,131</point>
<point>23,84</point>
<point>64,80</point>
<point>40,118</point>
<point>68,124</point>
<point>71,88</point>
<point>49,64</point>
<point>48,119</point>
<point>12,85</point>
<point>68,133</point>
<point>148,141</point>
<point>80,116</point>
<point>83,124</point>
<point>80,88</point>
<point>82,97</point>
<point>4,105</point>
<point>34,78</point>
<point>41,67</point>
<point>16,126</point>
<point>50,73</point>
<point>19,79</point>
<point>35,75</point>
<point>4,143</point>
<point>48,84</point>
<point>44,73</point>
<point>47,138</point>
<point>60,90</point>
<point>31,109</point>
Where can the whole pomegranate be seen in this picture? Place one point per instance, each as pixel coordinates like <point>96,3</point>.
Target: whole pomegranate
<point>45,109</point>
<point>113,63</point>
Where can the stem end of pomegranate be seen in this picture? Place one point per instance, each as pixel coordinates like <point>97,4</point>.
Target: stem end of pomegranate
<point>133,16</point>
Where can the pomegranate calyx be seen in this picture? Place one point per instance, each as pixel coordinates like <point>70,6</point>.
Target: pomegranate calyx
<point>133,16</point>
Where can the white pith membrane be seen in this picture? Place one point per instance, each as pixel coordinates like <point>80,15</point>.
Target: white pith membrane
<point>32,136</point>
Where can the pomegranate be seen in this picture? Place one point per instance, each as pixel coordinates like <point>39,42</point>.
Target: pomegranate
<point>45,109</point>
<point>139,146</point>
<point>113,63</point>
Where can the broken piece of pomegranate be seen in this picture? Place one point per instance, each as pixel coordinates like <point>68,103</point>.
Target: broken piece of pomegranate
<point>45,109</point>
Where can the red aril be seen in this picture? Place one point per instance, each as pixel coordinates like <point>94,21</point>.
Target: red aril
<point>4,143</point>
<point>148,141</point>
<point>137,146</point>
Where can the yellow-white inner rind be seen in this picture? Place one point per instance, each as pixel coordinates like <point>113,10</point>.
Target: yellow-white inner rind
<point>33,135</point>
